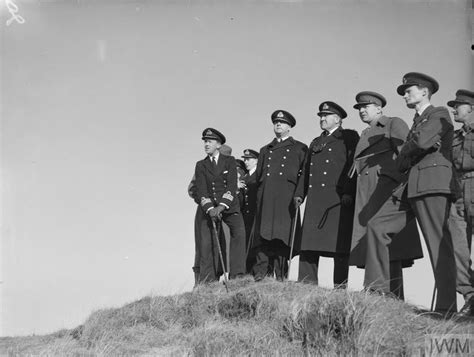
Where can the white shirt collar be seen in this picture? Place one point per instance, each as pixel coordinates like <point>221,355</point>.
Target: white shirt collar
<point>216,156</point>
<point>422,109</point>
<point>283,139</point>
<point>333,130</point>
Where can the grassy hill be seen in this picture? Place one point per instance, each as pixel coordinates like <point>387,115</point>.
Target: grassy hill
<point>268,318</point>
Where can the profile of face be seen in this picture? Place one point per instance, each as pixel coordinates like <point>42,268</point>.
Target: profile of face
<point>461,112</point>
<point>281,128</point>
<point>250,163</point>
<point>369,112</point>
<point>329,121</point>
<point>414,95</point>
<point>211,146</point>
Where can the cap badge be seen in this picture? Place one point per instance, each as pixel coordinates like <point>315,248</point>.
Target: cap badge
<point>280,115</point>
<point>325,106</point>
<point>247,152</point>
<point>209,132</point>
<point>404,80</point>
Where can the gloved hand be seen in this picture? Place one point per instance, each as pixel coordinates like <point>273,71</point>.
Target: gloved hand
<point>347,200</point>
<point>297,201</point>
<point>214,214</point>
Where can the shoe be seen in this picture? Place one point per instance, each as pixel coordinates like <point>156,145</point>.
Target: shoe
<point>467,310</point>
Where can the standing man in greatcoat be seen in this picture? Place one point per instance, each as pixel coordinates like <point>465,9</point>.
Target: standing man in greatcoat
<point>426,157</point>
<point>278,169</point>
<point>462,211</point>
<point>216,183</point>
<point>249,207</point>
<point>329,192</point>
<point>374,167</point>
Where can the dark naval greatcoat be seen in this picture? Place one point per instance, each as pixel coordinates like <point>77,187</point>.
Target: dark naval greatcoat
<point>249,206</point>
<point>327,224</point>
<point>278,169</point>
<point>374,157</point>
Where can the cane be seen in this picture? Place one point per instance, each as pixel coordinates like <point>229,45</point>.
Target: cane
<point>433,297</point>
<point>292,243</point>
<point>220,254</point>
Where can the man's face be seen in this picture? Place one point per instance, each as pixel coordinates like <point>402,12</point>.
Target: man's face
<point>414,95</point>
<point>369,113</point>
<point>281,128</point>
<point>461,112</point>
<point>211,146</point>
<point>250,163</point>
<point>329,121</point>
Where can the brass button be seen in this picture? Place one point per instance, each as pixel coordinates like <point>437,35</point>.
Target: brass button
<point>323,184</point>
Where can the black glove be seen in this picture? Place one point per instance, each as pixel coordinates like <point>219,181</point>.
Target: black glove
<point>297,201</point>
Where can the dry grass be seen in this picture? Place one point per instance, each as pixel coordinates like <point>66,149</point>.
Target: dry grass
<point>268,318</point>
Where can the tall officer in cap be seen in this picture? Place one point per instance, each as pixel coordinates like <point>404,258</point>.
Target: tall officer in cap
<point>426,158</point>
<point>249,207</point>
<point>279,166</point>
<point>329,192</point>
<point>462,212</point>
<point>377,176</point>
<point>216,182</point>
<point>200,217</point>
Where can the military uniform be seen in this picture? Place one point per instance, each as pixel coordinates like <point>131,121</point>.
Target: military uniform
<point>426,156</point>
<point>249,207</point>
<point>377,176</point>
<point>199,218</point>
<point>217,185</point>
<point>327,224</point>
<point>278,169</point>
<point>462,212</point>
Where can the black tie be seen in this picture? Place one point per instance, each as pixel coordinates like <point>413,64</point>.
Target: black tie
<point>214,162</point>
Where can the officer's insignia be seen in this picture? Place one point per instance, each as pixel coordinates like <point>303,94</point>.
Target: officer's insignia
<point>246,152</point>
<point>205,201</point>
<point>209,132</point>
<point>404,80</point>
<point>280,115</point>
<point>325,106</point>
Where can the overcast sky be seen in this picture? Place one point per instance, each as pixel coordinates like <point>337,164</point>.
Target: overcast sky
<point>104,102</point>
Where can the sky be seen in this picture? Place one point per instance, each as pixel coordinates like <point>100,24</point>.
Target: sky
<point>102,108</point>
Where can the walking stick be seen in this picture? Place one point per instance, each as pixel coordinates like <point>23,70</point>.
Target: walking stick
<point>220,254</point>
<point>292,243</point>
<point>433,298</point>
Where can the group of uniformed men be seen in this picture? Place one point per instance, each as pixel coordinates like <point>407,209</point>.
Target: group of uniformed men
<point>363,197</point>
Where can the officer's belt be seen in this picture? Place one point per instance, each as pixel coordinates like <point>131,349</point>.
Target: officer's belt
<point>467,175</point>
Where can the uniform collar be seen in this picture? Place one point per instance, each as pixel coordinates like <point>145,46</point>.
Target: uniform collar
<point>216,156</point>
<point>423,108</point>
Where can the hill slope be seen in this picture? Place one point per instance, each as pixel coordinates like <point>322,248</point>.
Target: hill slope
<point>267,318</point>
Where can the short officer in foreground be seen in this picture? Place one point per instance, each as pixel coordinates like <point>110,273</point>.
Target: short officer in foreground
<point>249,207</point>
<point>462,212</point>
<point>216,183</point>
<point>279,165</point>
<point>426,158</point>
<point>329,192</point>
<point>377,177</point>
